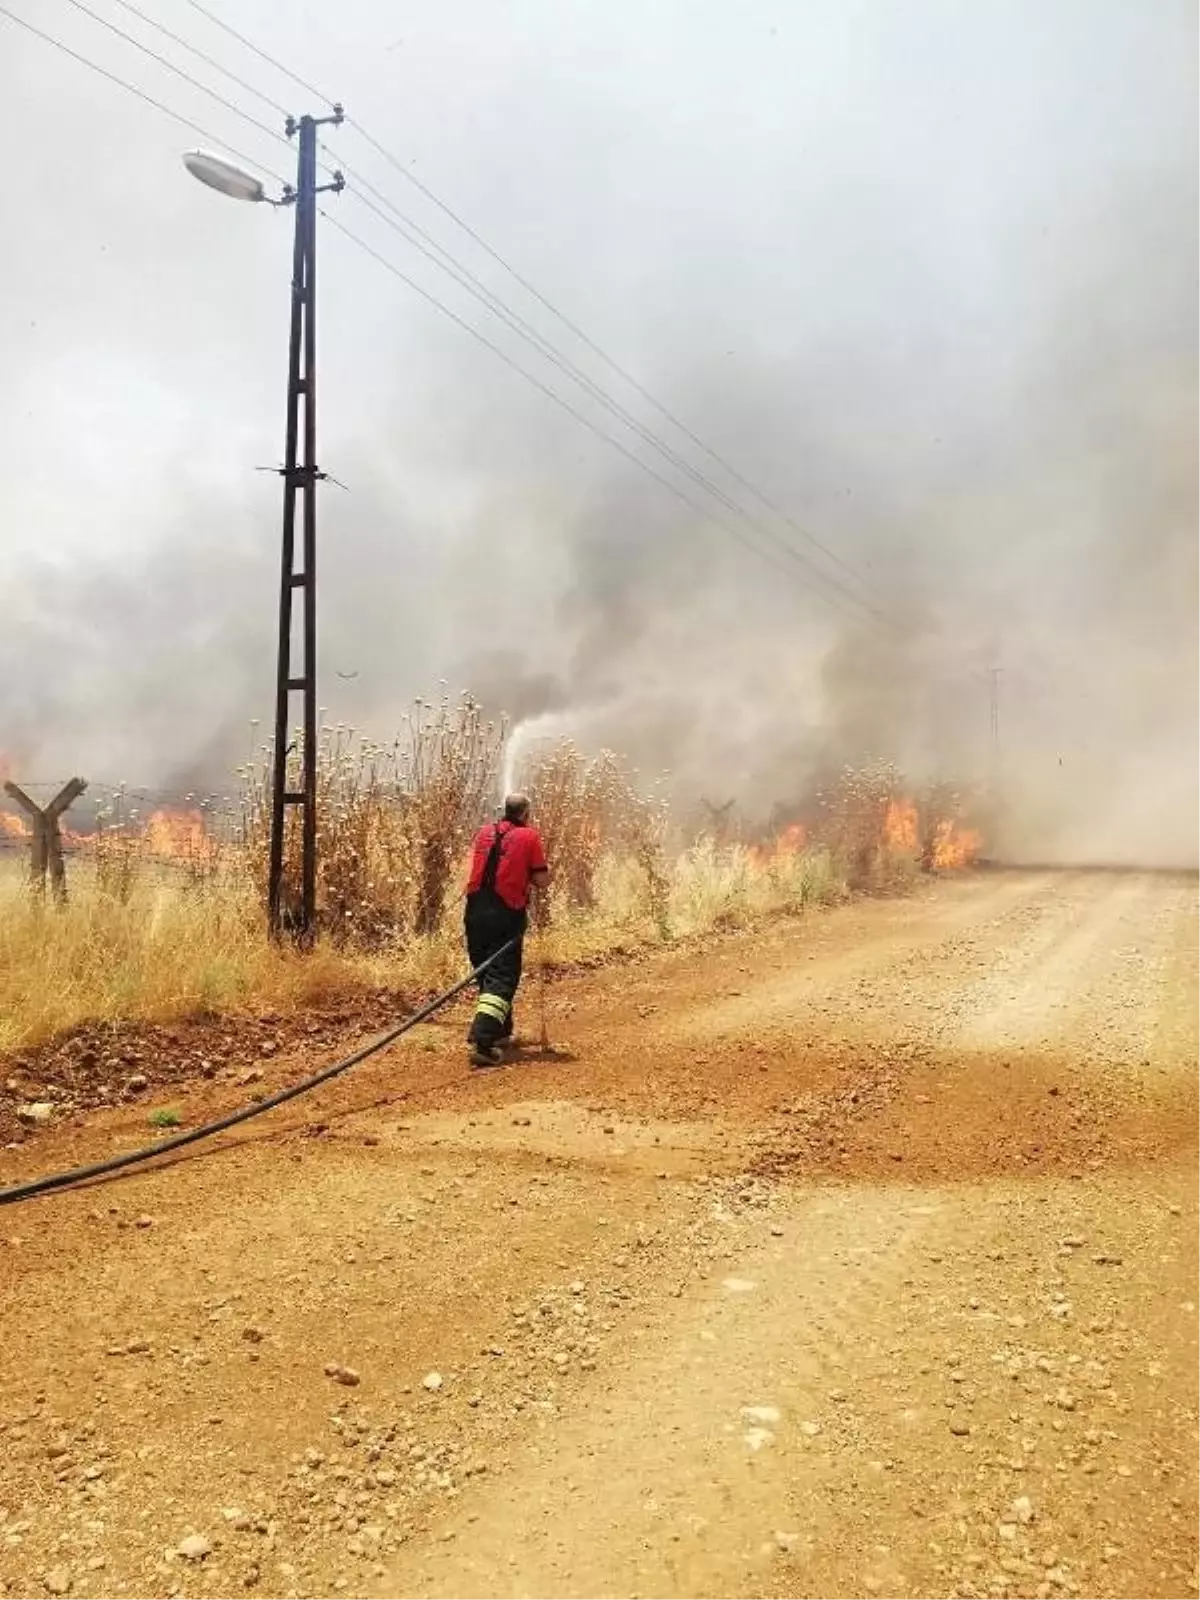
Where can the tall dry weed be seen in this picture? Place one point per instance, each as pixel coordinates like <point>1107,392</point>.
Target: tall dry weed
<point>393,821</point>
<point>161,923</point>
<point>581,806</point>
<point>869,825</point>
<point>449,768</point>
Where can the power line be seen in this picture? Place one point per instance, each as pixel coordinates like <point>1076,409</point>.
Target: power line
<point>464,277</point>
<point>531,289</point>
<point>447,262</point>
<point>551,394</point>
<point>209,61</point>
<point>475,287</point>
<point>260,53</point>
<point>213,94</point>
<point>597,349</point>
<point>140,94</point>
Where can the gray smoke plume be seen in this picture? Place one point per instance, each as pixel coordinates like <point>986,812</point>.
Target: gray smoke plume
<point>925,276</point>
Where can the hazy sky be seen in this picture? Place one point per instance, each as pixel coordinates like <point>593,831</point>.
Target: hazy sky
<point>925,272</point>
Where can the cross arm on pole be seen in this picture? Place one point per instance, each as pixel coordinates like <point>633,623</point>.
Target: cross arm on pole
<point>15,792</point>
<point>65,797</point>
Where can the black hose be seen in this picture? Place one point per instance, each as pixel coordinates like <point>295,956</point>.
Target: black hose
<point>60,1180</point>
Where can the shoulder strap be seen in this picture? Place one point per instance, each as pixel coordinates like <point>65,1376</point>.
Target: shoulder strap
<point>491,865</point>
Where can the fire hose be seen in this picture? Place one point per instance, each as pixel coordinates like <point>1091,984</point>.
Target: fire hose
<point>99,1169</point>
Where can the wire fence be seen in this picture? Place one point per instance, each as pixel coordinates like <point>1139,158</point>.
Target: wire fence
<point>116,808</point>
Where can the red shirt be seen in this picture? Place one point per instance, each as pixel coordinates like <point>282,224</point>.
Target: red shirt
<point>521,855</point>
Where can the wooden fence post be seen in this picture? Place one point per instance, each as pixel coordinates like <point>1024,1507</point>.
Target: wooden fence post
<point>45,840</point>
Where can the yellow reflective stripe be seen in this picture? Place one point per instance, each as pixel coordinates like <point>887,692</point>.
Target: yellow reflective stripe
<point>491,1005</point>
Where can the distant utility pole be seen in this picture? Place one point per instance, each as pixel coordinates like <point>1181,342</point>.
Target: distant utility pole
<point>994,711</point>
<point>300,477</point>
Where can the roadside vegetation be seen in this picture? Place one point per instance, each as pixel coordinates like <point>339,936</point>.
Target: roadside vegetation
<point>164,918</point>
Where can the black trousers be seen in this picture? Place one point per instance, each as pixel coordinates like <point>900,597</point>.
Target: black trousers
<point>489,924</point>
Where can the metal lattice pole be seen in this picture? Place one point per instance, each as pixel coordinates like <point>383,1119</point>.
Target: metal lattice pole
<point>291,906</point>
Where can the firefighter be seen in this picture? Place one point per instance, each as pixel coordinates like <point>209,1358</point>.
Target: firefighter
<point>508,862</point>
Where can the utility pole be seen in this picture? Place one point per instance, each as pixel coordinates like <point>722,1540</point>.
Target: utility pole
<point>292,908</point>
<point>994,712</point>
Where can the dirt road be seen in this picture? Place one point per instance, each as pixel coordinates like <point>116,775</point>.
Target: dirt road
<point>853,1257</point>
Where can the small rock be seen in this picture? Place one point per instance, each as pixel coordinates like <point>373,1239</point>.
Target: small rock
<point>1064,1400</point>
<point>195,1547</point>
<point>960,1430</point>
<point>137,1084</point>
<point>34,1114</point>
<point>346,1376</point>
<point>787,1541</point>
<point>764,1416</point>
<point>776,1233</point>
<point>432,1381</point>
<point>57,1581</point>
<point>1022,1510</point>
<point>254,1335</point>
<point>144,1221</point>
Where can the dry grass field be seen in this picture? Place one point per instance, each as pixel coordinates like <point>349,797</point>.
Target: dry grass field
<point>164,918</point>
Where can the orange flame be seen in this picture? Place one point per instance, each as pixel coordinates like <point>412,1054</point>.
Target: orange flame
<point>954,846</point>
<point>176,835</point>
<point>900,826</point>
<point>792,840</point>
<point>12,826</point>
<point>789,842</point>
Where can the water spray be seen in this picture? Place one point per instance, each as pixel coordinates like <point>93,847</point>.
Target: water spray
<point>523,736</point>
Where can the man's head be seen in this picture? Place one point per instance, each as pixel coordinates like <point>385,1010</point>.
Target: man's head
<point>516,808</point>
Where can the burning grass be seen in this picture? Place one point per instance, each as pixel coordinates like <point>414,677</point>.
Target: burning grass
<point>165,918</point>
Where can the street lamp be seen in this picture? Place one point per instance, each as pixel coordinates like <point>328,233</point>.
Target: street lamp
<point>294,913</point>
<point>223,176</point>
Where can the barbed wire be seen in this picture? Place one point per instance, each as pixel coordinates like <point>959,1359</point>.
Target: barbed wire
<point>128,791</point>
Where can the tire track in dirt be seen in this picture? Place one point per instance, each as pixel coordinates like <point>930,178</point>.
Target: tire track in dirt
<point>1046,1051</point>
<point>680,1477</point>
<point>947,1382</point>
<point>556,1242</point>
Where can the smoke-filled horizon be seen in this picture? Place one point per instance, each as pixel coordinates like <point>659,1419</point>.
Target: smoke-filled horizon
<point>924,275</point>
